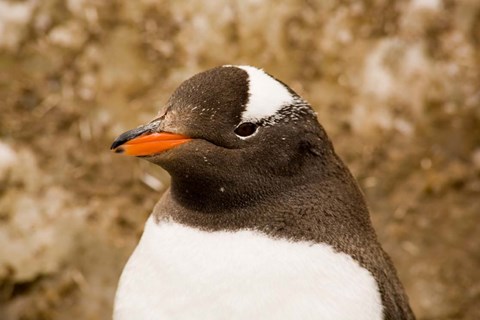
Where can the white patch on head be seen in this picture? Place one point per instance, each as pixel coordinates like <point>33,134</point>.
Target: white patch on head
<point>179,272</point>
<point>266,95</point>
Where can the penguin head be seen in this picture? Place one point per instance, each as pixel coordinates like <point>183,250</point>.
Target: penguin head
<point>231,126</point>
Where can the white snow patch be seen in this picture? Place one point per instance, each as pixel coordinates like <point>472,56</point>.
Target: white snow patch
<point>8,157</point>
<point>378,80</point>
<point>14,17</point>
<point>153,182</point>
<point>414,61</point>
<point>70,35</point>
<point>426,4</point>
<point>41,223</point>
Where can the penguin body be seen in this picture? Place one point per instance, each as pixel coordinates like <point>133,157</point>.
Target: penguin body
<point>180,272</point>
<point>262,219</point>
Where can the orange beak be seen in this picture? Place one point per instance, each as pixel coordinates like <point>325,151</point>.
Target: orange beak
<point>138,142</point>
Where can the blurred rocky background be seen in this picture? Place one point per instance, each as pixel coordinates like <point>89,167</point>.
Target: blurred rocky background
<point>395,83</point>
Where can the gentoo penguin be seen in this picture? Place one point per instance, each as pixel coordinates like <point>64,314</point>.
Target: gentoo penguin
<point>262,219</point>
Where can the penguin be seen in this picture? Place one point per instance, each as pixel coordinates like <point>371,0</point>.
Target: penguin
<point>262,219</point>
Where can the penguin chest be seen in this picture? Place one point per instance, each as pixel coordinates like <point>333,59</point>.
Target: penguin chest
<point>179,272</point>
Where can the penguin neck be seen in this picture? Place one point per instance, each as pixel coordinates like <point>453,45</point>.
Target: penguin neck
<point>321,209</point>
<point>327,192</point>
<point>203,194</point>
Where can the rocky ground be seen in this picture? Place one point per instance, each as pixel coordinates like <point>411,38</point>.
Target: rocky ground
<point>395,83</point>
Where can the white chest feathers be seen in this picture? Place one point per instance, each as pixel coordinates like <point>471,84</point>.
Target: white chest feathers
<point>178,272</point>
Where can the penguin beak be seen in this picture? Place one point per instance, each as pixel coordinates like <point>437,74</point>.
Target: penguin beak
<point>145,141</point>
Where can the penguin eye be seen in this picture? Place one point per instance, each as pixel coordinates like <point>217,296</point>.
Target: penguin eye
<point>246,129</point>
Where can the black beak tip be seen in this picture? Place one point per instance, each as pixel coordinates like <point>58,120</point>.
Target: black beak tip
<point>118,142</point>
<point>129,135</point>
